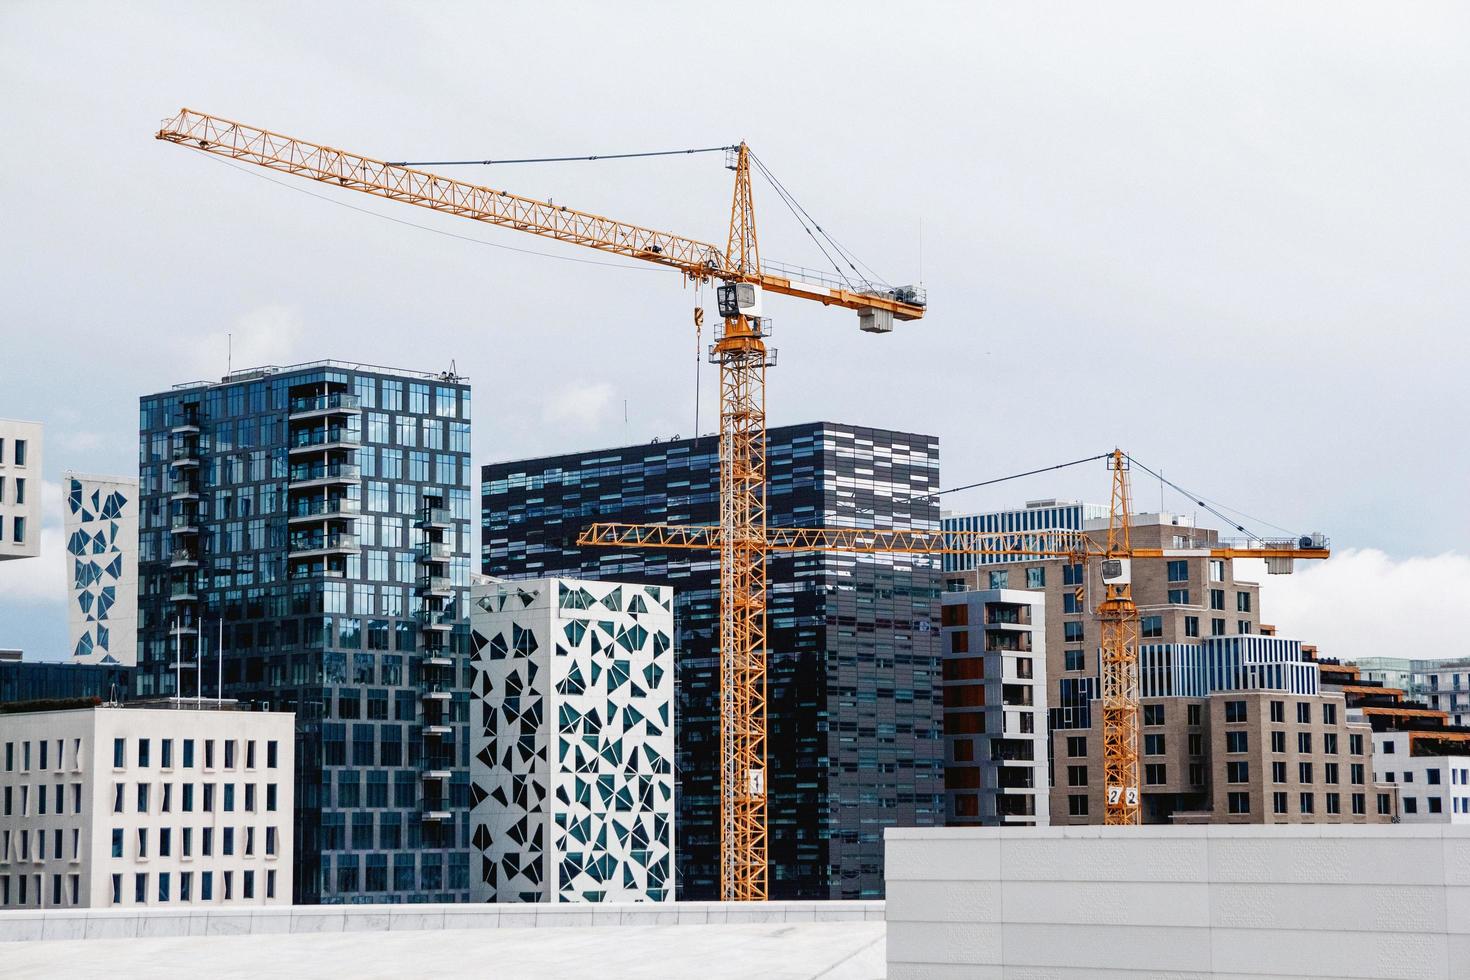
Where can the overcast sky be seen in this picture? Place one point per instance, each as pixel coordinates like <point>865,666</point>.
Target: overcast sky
<point>1233,242</point>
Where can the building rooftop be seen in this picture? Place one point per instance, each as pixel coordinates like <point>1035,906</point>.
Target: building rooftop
<point>267,370</point>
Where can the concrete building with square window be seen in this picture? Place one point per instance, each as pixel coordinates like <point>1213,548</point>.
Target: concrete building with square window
<point>995,737</point>
<point>304,541</point>
<point>20,489</point>
<point>165,804</point>
<point>1235,727</point>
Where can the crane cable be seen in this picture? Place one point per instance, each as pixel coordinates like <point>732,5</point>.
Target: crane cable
<point>595,156</point>
<point>846,254</point>
<point>1204,502</point>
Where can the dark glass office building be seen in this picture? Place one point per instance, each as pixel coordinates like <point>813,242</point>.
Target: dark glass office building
<point>319,514</point>
<point>37,680</point>
<point>855,710</point>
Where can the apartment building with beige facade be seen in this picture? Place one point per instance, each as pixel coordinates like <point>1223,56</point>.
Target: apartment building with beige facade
<point>1235,727</point>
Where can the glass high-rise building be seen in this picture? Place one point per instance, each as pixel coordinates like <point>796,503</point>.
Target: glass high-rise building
<point>312,522</point>
<point>854,713</point>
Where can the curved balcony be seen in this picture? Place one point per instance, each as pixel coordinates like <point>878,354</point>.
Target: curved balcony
<point>434,619</point>
<point>333,508</point>
<point>320,406</point>
<point>320,545</point>
<point>434,585</point>
<point>324,475</point>
<point>324,438</point>
<point>433,553</point>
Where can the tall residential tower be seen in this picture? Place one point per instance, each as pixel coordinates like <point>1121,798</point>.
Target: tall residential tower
<point>304,543</point>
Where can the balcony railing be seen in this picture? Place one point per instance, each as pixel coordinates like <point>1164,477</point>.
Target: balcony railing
<point>183,524</point>
<point>434,551</point>
<point>434,583</point>
<point>433,517</point>
<point>181,557</point>
<point>182,592</point>
<point>330,473</point>
<point>185,456</point>
<point>325,542</point>
<point>316,571</point>
<point>327,435</point>
<point>328,507</point>
<point>315,404</point>
<point>432,619</point>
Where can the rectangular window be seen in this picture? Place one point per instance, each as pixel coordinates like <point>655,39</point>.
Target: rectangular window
<point>1217,627</point>
<point>140,888</point>
<point>1355,744</point>
<point>1329,743</point>
<point>1235,712</point>
<point>1073,574</point>
<point>1237,742</point>
<point>1179,571</point>
<point>1153,744</point>
<point>206,886</point>
<point>1329,714</point>
<point>229,797</point>
<point>1075,660</point>
<point>209,797</point>
<point>1076,775</point>
<point>166,753</point>
<point>270,841</point>
<point>165,841</point>
<point>1303,713</point>
<point>1304,742</point>
<point>1278,772</point>
<point>206,841</point>
<point>270,884</point>
<point>1072,632</point>
<point>1239,802</point>
<point>270,754</point>
<point>1155,774</point>
<point>1196,743</point>
<point>117,842</point>
<point>142,842</point>
<point>187,843</point>
<point>229,753</point>
<point>1077,805</point>
<point>186,886</point>
<point>227,842</point>
<point>1191,626</point>
<point>1308,803</point>
<point>142,797</point>
<point>188,798</point>
<point>143,746</point>
<point>209,753</point>
<point>119,753</point>
<point>1179,597</point>
<point>1035,578</point>
<point>270,796</point>
<point>1192,715</point>
<point>1278,741</point>
<point>999,580</point>
<point>188,753</point>
<point>1356,773</point>
<point>163,886</point>
<point>1360,804</point>
<point>1278,712</point>
<point>1304,772</point>
<point>1278,802</point>
<point>1329,773</point>
<point>1385,804</point>
<point>247,884</point>
<point>1153,714</point>
<point>1243,602</point>
<point>1237,772</point>
<point>1151,627</point>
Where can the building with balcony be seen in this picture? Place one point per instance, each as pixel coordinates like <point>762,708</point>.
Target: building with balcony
<point>995,736</point>
<point>167,804</point>
<point>853,669</point>
<point>20,489</point>
<point>572,775</point>
<point>1235,725</point>
<point>304,531</point>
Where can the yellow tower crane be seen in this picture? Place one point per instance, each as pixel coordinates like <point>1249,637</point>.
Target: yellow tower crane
<point>1116,612</point>
<point>740,351</point>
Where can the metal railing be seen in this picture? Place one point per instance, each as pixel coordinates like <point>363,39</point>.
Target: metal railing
<point>321,403</point>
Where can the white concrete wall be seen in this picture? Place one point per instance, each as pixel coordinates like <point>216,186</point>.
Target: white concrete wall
<point>1179,902</point>
<point>29,511</point>
<point>125,923</point>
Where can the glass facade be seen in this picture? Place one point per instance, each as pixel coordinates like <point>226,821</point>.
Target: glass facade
<point>313,523</point>
<point>1039,516</point>
<point>854,703</point>
<point>44,681</point>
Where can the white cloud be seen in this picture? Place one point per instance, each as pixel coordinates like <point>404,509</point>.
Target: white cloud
<point>41,579</point>
<point>580,407</point>
<point>1364,603</point>
<point>266,335</point>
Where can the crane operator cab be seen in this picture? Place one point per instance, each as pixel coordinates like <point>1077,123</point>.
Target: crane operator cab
<point>738,299</point>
